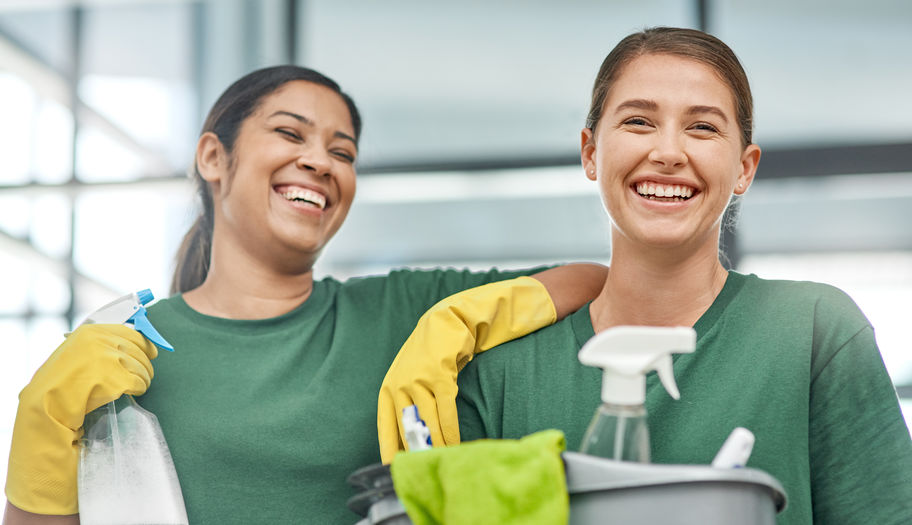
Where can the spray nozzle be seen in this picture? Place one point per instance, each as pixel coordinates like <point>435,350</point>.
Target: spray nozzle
<point>129,309</point>
<point>628,353</point>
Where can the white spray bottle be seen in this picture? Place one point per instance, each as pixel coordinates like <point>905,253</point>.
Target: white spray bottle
<point>626,354</point>
<point>126,475</point>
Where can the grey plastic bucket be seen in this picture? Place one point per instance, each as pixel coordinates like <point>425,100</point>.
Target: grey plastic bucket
<point>606,491</point>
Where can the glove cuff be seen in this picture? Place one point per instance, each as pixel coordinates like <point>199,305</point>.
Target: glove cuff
<point>40,492</point>
<point>515,307</point>
<point>43,480</point>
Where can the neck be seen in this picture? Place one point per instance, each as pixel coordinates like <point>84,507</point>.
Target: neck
<point>657,287</point>
<point>240,285</point>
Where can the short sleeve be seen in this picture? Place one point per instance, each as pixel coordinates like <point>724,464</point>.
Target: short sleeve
<point>860,449</point>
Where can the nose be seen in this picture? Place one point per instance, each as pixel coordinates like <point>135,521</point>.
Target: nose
<point>315,160</point>
<point>668,151</point>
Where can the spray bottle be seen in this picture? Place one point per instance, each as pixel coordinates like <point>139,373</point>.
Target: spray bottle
<point>126,475</point>
<point>626,354</point>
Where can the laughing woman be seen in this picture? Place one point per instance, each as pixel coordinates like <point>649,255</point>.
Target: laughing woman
<point>668,142</point>
<point>269,400</point>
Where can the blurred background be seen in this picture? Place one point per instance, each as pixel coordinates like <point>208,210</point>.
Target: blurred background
<point>469,156</point>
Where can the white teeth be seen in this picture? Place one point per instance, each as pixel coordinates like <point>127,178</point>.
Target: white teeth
<point>659,190</point>
<point>306,195</point>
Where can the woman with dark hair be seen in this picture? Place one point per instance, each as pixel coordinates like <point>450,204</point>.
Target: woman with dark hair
<point>269,400</point>
<point>668,141</point>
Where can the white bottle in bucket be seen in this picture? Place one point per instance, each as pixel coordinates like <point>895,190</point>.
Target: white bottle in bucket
<point>126,475</point>
<point>626,354</point>
<point>417,435</point>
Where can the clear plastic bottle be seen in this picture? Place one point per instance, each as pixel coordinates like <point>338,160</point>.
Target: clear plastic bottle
<point>126,475</point>
<point>619,429</point>
<point>618,432</point>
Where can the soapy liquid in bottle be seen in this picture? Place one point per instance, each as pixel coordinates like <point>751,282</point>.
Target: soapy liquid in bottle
<point>126,474</point>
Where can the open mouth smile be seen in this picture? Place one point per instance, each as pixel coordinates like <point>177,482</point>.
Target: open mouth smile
<point>303,196</point>
<point>664,192</point>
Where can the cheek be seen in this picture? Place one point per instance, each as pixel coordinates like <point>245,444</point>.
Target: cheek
<point>619,154</point>
<point>348,185</point>
<point>720,166</point>
<point>610,195</point>
<point>354,184</point>
<point>226,184</point>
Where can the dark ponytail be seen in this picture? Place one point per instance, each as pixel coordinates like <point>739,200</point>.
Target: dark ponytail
<point>237,103</point>
<point>194,252</point>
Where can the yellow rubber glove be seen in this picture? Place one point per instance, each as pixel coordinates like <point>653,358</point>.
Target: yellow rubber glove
<point>95,365</point>
<point>446,338</point>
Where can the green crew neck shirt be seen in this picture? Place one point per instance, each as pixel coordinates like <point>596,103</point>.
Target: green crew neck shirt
<point>266,418</point>
<point>794,362</point>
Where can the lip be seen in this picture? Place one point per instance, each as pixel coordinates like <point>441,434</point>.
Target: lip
<point>282,187</point>
<point>664,180</point>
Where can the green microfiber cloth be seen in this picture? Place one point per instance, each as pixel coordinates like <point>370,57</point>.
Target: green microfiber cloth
<point>497,481</point>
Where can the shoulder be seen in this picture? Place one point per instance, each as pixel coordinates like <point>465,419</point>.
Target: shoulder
<point>403,277</point>
<point>828,303</point>
<point>399,284</point>
<point>169,308</point>
<point>821,315</point>
<point>799,290</point>
<point>426,286</point>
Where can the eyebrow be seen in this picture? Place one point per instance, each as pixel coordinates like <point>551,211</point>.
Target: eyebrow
<point>650,105</point>
<point>697,110</point>
<point>304,120</point>
<point>637,103</point>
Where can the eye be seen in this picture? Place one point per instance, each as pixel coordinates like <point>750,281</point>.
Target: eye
<point>344,155</point>
<point>703,126</point>
<point>289,133</point>
<point>636,121</point>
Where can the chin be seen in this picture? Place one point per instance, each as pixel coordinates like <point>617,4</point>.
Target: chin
<point>665,238</point>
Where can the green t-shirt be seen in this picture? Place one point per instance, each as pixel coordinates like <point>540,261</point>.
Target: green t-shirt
<point>265,419</point>
<point>794,362</point>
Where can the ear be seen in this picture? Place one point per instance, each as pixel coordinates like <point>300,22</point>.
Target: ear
<point>211,159</point>
<point>587,152</point>
<point>750,159</point>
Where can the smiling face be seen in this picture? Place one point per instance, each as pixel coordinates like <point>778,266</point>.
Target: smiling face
<point>667,153</point>
<point>287,186</point>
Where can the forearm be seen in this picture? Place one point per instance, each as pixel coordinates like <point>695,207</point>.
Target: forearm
<point>455,329</point>
<point>16,516</point>
<point>572,285</point>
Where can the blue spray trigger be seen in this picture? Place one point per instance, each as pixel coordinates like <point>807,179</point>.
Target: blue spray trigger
<point>142,325</point>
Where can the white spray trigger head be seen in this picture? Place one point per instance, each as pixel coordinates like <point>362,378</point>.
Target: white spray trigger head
<point>628,353</point>
<point>665,368</point>
<point>118,311</point>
